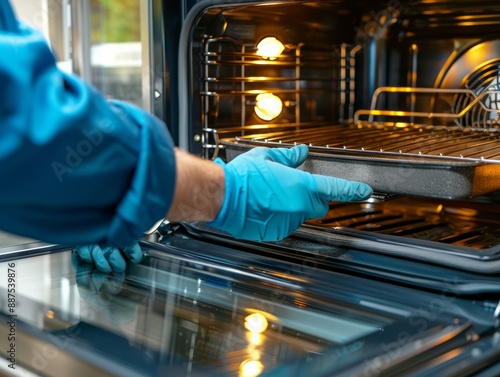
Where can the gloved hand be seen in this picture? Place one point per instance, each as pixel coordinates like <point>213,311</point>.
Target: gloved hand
<point>109,258</point>
<point>104,292</point>
<point>88,276</point>
<point>267,199</point>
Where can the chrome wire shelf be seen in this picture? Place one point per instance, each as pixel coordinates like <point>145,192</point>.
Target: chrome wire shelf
<point>473,230</point>
<point>391,141</point>
<point>401,136</point>
<point>479,109</point>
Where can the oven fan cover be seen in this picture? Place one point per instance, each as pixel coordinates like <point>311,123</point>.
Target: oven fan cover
<point>484,80</point>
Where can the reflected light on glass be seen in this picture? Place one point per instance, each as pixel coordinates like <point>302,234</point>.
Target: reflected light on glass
<point>255,339</point>
<point>256,323</point>
<point>270,48</point>
<point>251,368</point>
<point>268,106</point>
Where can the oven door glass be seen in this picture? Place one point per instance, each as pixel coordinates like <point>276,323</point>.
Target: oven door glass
<point>177,315</point>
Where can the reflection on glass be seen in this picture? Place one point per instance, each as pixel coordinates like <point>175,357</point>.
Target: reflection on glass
<point>178,317</point>
<point>256,323</point>
<point>251,368</point>
<point>255,339</point>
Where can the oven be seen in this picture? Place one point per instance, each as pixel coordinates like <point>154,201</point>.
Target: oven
<point>403,95</point>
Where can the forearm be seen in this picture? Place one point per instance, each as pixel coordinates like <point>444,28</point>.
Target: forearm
<point>199,189</point>
<point>95,168</point>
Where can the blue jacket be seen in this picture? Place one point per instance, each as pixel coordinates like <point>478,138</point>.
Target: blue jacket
<point>74,167</point>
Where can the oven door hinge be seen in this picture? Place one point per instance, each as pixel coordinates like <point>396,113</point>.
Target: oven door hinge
<point>161,229</point>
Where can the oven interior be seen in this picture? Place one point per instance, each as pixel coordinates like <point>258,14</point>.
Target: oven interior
<point>402,95</point>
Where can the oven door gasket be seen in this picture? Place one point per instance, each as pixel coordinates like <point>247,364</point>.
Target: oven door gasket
<point>379,265</point>
<point>419,250</point>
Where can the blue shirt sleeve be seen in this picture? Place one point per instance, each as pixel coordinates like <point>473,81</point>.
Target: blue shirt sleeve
<point>74,167</point>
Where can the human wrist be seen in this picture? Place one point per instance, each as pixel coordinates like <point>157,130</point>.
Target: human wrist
<point>200,189</point>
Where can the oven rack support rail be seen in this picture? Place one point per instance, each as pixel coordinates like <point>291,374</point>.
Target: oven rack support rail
<point>485,116</point>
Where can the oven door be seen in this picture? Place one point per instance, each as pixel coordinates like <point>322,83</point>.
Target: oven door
<point>199,308</point>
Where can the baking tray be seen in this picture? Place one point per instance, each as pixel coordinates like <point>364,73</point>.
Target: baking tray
<point>435,162</point>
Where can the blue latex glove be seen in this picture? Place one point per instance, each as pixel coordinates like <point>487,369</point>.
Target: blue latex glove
<point>267,199</point>
<point>104,292</point>
<point>89,276</point>
<point>109,258</point>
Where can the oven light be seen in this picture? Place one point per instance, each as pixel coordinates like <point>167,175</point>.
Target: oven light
<point>268,106</point>
<point>256,323</point>
<point>270,48</point>
<point>251,368</point>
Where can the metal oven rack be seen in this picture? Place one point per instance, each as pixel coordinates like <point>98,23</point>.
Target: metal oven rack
<point>466,107</point>
<point>396,154</point>
<point>447,145</point>
<point>307,80</point>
